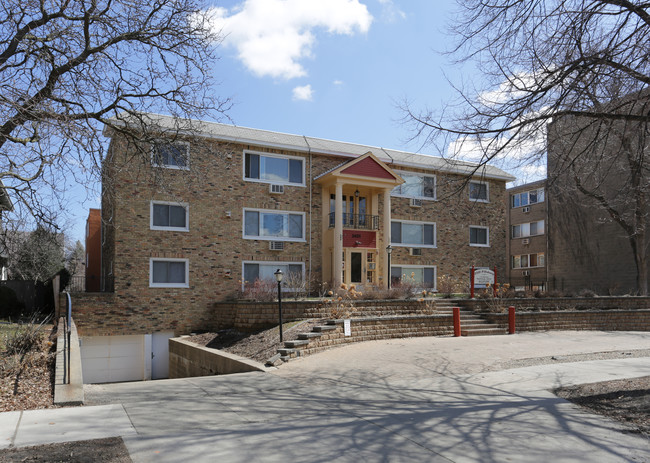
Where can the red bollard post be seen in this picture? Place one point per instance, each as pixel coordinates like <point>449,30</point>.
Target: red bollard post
<point>456,321</point>
<point>511,320</point>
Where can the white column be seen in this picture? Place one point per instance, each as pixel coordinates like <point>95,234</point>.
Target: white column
<point>386,234</point>
<point>338,236</point>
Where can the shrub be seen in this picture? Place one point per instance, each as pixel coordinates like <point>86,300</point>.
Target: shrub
<point>447,286</point>
<point>340,302</point>
<point>23,339</point>
<point>587,293</point>
<point>260,290</point>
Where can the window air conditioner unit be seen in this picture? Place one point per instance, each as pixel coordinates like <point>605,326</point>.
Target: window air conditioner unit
<point>276,189</point>
<point>372,266</point>
<point>415,202</point>
<point>276,245</point>
<point>526,273</point>
<point>526,209</point>
<point>525,241</point>
<point>415,251</point>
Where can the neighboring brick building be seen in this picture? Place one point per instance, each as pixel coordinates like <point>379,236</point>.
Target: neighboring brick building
<point>237,204</point>
<point>587,248</point>
<point>527,244</point>
<point>94,251</point>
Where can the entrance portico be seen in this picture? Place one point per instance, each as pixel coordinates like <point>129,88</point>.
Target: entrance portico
<point>355,232</point>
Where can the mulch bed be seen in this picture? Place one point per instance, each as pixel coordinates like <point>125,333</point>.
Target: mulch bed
<point>110,450</point>
<point>625,400</point>
<point>259,346</point>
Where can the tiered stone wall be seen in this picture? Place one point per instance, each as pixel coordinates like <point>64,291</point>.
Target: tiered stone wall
<point>377,328</point>
<point>610,320</point>
<point>561,303</point>
<point>250,316</point>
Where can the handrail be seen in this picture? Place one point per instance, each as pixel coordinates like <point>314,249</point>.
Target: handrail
<point>68,346</point>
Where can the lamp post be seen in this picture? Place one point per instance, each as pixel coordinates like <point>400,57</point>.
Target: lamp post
<point>389,250</point>
<point>278,276</point>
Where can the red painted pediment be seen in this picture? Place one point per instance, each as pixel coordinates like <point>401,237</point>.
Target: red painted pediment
<point>368,167</point>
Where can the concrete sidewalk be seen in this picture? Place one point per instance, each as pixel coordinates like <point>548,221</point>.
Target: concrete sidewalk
<point>401,400</point>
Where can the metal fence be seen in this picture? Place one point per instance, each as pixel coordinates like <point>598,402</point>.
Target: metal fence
<point>90,284</point>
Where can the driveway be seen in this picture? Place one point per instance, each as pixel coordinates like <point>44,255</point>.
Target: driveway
<point>410,400</point>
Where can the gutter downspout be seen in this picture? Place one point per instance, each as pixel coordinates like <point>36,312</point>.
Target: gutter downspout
<point>310,206</point>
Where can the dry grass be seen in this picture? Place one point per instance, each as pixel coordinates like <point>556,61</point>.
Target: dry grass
<point>26,376</point>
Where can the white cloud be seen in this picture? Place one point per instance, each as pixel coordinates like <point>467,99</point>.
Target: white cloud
<point>304,93</point>
<point>390,12</point>
<point>273,36</point>
<point>338,82</point>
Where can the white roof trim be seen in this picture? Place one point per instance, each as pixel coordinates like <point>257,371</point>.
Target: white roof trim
<point>244,135</point>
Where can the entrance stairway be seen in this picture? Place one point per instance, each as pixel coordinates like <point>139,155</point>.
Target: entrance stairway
<point>471,323</point>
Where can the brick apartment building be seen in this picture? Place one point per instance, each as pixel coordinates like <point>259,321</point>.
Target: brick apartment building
<point>236,204</point>
<point>563,225</point>
<point>526,246</point>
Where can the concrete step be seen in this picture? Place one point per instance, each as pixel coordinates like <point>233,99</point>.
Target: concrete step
<point>483,332</point>
<point>296,343</point>
<point>286,352</point>
<point>479,326</point>
<point>309,335</point>
<point>321,328</point>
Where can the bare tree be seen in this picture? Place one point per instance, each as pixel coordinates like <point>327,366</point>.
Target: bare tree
<point>71,68</point>
<point>583,61</point>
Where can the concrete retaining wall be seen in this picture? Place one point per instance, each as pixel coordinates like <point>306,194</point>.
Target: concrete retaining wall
<point>187,359</point>
<point>71,393</point>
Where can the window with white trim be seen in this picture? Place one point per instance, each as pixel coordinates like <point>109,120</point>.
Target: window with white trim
<point>422,276</point>
<point>172,155</point>
<point>527,197</point>
<point>260,224</point>
<point>479,236</point>
<point>274,168</point>
<point>528,229</point>
<point>415,234</point>
<point>528,260</point>
<point>479,191</point>
<point>168,273</point>
<point>265,271</point>
<point>169,216</point>
<point>416,186</point>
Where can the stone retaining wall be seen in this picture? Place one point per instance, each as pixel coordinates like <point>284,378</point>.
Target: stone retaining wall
<point>562,303</point>
<point>250,316</point>
<point>611,320</point>
<point>378,328</point>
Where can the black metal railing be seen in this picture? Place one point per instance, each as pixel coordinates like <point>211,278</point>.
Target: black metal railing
<point>90,284</point>
<point>359,221</point>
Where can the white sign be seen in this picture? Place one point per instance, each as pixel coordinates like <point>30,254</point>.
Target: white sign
<point>346,328</point>
<point>483,276</point>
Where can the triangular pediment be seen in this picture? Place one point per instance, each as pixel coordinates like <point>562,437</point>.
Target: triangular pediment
<point>369,167</point>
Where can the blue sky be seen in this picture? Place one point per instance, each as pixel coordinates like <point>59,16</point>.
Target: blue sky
<point>333,69</point>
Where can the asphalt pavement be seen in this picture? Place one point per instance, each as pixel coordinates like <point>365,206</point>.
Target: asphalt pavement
<point>404,400</point>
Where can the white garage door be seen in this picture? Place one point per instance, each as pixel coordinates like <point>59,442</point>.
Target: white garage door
<point>109,359</point>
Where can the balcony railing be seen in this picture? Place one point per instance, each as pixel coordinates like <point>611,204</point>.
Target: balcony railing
<point>359,221</point>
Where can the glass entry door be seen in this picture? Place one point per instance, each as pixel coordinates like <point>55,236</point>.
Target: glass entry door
<point>359,266</point>
<point>356,270</point>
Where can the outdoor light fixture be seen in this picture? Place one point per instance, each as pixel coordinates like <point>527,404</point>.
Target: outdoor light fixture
<point>389,250</point>
<point>278,276</point>
<point>356,194</point>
